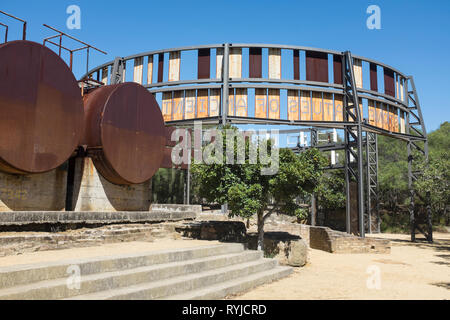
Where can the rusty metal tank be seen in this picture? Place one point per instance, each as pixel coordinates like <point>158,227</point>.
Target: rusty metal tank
<point>41,109</point>
<point>125,132</point>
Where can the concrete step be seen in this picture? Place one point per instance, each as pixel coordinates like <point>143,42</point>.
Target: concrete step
<point>58,289</point>
<point>181,284</point>
<point>29,274</point>
<point>242,284</point>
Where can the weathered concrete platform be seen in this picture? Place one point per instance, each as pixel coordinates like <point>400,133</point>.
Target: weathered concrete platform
<point>71,217</point>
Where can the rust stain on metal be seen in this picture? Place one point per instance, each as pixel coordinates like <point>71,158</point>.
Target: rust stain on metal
<point>41,109</point>
<point>125,132</point>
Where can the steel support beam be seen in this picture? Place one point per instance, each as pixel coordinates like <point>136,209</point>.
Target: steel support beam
<point>353,136</point>
<point>417,128</point>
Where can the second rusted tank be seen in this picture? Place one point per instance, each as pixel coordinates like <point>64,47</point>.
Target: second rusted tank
<point>124,132</point>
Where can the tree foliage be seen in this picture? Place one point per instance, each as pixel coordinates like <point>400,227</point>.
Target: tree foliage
<point>249,192</point>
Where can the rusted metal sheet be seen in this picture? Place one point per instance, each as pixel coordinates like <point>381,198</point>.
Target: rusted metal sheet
<point>125,132</point>
<point>274,63</point>
<point>138,72</point>
<point>204,63</point>
<point>214,102</point>
<point>373,77</point>
<point>177,105</point>
<point>274,104</point>
<point>241,109</point>
<point>167,105</point>
<point>337,69</point>
<point>338,107</point>
<point>317,106</point>
<point>219,63</point>
<point>189,104</point>
<point>293,105</point>
<point>41,109</point>
<point>305,105</point>
<point>296,65</point>
<point>235,63</point>
<point>389,86</point>
<point>316,66</point>
<point>255,63</point>
<point>160,67</point>
<point>202,103</point>
<point>150,69</point>
<point>261,103</point>
<point>174,65</point>
<point>357,69</point>
<point>328,106</point>
<point>372,112</point>
<point>231,102</point>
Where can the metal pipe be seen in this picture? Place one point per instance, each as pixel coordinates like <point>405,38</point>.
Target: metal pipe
<point>6,32</point>
<point>24,28</point>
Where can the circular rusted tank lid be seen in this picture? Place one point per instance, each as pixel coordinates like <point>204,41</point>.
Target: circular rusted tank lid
<point>126,122</point>
<point>41,109</point>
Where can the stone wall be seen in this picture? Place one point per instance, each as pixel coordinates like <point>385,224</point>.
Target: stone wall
<point>43,192</point>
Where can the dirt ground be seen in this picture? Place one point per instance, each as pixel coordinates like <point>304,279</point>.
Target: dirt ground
<point>411,271</point>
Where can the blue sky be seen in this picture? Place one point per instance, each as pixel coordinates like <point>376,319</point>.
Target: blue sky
<point>415,35</point>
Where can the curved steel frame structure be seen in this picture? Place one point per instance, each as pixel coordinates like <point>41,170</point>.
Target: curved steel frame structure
<point>405,101</point>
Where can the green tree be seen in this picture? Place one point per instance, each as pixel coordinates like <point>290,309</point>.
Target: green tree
<point>249,192</point>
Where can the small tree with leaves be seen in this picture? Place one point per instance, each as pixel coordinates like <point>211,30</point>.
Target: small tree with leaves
<point>249,192</point>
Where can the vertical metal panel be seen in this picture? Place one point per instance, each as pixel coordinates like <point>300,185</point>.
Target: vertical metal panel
<point>379,114</point>
<point>174,65</point>
<point>214,102</point>
<point>138,72</point>
<point>219,62</point>
<point>317,106</point>
<point>189,104</point>
<point>231,102</point>
<point>372,112</point>
<point>160,67</point>
<point>391,118</point>
<point>177,105</point>
<point>255,63</point>
<point>402,122</point>
<point>305,105</point>
<point>105,75</point>
<point>395,124</point>
<point>385,117</point>
<point>316,66</point>
<point>241,102</point>
<point>235,63</point>
<point>261,103</point>
<point>202,103</point>
<point>293,105</point>
<point>274,63</point>
<point>389,86</point>
<point>373,77</point>
<point>357,69</point>
<point>150,70</point>
<point>337,69</point>
<point>204,63</point>
<point>273,104</point>
<point>167,106</point>
<point>327,107</point>
<point>296,65</point>
<point>338,107</point>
